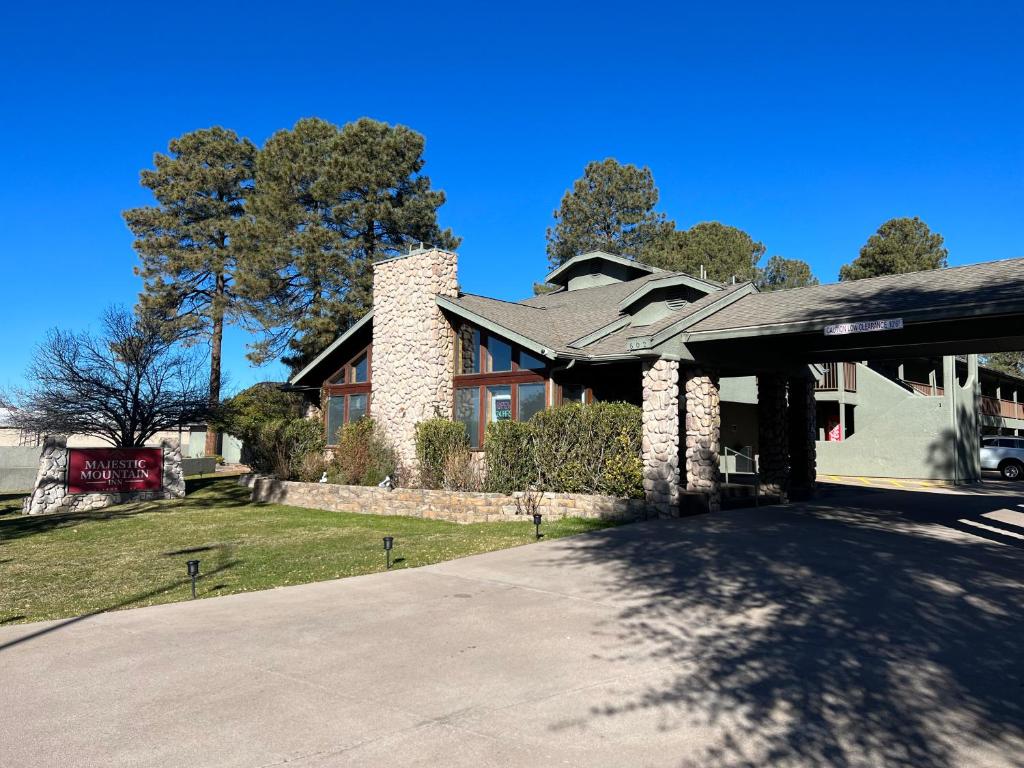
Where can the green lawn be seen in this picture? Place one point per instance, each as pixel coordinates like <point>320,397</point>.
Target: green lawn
<point>132,555</point>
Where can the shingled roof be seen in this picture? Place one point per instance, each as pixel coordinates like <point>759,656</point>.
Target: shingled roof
<point>556,320</point>
<point>931,293</point>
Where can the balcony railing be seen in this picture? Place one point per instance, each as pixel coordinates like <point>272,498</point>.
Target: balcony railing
<point>924,389</point>
<point>830,382</point>
<point>1006,409</point>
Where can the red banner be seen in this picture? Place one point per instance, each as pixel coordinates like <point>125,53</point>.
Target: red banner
<point>114,470</point>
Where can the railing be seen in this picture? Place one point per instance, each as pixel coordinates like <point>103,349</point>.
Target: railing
<point>1006,409</point>
<point>830,382</point>
<point>750,467</point>
<point>924,389</point>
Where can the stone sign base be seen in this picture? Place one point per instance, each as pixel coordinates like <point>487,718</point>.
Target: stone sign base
<point>50,492</point>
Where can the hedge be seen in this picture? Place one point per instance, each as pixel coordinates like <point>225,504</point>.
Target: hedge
<point>571,449</point>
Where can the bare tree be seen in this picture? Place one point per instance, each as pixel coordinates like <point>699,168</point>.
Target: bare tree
<point>122,385</point>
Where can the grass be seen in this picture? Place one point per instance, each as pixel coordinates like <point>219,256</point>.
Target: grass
<point>57,566</point>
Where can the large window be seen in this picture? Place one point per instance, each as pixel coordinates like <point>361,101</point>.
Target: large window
<point>347,394</point>
<point>496,381</point>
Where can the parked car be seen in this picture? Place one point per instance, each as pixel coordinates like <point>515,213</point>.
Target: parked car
<point>1005,454</point>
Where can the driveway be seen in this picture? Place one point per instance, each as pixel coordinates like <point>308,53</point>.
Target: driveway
<point>873,627</point>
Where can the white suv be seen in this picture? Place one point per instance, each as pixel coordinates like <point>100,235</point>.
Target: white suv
<point>1005,454</point>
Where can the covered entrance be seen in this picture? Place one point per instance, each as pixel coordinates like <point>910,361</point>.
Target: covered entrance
<point>783,338</point>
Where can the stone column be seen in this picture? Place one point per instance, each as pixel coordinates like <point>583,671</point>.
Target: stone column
<point>172,477</point>
<point>48,491</point>
<point>413,359</point>
<point>802,430</point>
<point>703,436</point>
<point>661,434</point>
<point>772,434</point>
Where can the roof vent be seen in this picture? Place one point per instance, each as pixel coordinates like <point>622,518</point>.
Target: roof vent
<point>676,304</point>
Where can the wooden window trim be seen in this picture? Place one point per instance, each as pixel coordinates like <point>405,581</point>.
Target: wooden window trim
<point>344,390</point>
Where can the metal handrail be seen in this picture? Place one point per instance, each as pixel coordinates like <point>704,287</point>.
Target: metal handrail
<point>753,463</point>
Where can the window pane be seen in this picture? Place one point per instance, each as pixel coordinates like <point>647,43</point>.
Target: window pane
<point>531,400</point>
<point>335,418</point>
<point>500,354</point>
<point>360,370</point>
<point>356,407</point>
<point>572,393</point>
<point>467,410</point>
<point>338,378</point>
<point>469,350</point>
<point>529,362</point>
<point>499,403</point>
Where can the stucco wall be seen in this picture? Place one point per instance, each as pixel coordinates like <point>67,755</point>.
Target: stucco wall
<point>453,506</point>
<point>18,467</point>
<point>413,362</point>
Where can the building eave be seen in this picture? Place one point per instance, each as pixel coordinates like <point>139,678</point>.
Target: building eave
<point>668,282</point>
<point>297,378</point>
<point>467,314</point>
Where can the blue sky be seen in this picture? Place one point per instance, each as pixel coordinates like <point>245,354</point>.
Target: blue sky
<point>806,125</point>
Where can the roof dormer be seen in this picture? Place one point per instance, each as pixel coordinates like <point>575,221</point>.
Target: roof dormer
<point>595,268</point>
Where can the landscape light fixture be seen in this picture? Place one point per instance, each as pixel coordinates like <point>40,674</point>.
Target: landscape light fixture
<point>389,542</point>
<point>536,522</point>
<point>193,572</point>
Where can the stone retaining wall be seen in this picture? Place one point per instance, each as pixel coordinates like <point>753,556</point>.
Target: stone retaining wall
<point>453,506</point>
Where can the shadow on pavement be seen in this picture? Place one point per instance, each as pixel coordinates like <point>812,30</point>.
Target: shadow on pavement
<point>859,629</point>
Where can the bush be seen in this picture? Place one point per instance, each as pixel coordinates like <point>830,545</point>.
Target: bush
<point>572,449</point>
<point>288,444</point>
<point>362,456</point>
<point>510,456</point>
<point>257,416</point>
<point>437,440</point>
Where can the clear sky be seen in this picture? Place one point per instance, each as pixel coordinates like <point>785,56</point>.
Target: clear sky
<point>806,125</point>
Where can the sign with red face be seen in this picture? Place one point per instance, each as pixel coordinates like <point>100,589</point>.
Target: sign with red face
<point>114,470</point>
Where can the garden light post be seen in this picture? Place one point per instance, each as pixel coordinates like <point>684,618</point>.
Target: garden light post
<point>193,572</point>
<point>536,522</point>
<point>389,542</point>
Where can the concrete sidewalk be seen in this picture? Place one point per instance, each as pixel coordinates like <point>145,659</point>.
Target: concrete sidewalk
<point>873,628</point>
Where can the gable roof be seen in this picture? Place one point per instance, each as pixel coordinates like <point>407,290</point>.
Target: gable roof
<point>361,322</point>
<point>585,323</point>
<point>554,275</point>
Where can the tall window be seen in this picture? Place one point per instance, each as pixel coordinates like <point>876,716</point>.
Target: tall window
<point>495,381</point>
<point>347,394</point>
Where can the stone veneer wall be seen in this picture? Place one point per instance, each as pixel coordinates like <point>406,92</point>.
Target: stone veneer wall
<point>703,436</point>
<point>453,506</point>
<point>50,492</point>
<point>773,434</point>
<point>661,431</point>
<point>413,362</point>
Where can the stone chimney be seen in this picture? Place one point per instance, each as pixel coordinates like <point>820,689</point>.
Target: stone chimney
<point>413,359</point>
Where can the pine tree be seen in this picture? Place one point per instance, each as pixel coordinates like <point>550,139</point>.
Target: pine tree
<point>724,252</point>
<point>1007,362</point>
<point>187,242</point>
<point>330,202</point>
<point>780,273</point>
<point>900,245</point>
<point>610,208</point>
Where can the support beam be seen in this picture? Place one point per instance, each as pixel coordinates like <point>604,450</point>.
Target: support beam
<point>802,446</point>
<point>773,434</point>
<point>703,435</point>
<point>661,434</point>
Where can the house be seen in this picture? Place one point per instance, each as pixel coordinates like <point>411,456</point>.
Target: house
<point>709,363</point>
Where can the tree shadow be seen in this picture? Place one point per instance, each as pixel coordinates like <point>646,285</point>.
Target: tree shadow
<point>862,629</point>
<point>201,494</point>
<point>226,564</point>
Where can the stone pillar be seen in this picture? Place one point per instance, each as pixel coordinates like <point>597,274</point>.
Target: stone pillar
<point>772,434</point>
<point>413,360</point>
<point>802,430</point>
<point>172,477</point>
<point>661,433</point>
<point>48,491</point>
<point>703,427</point>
